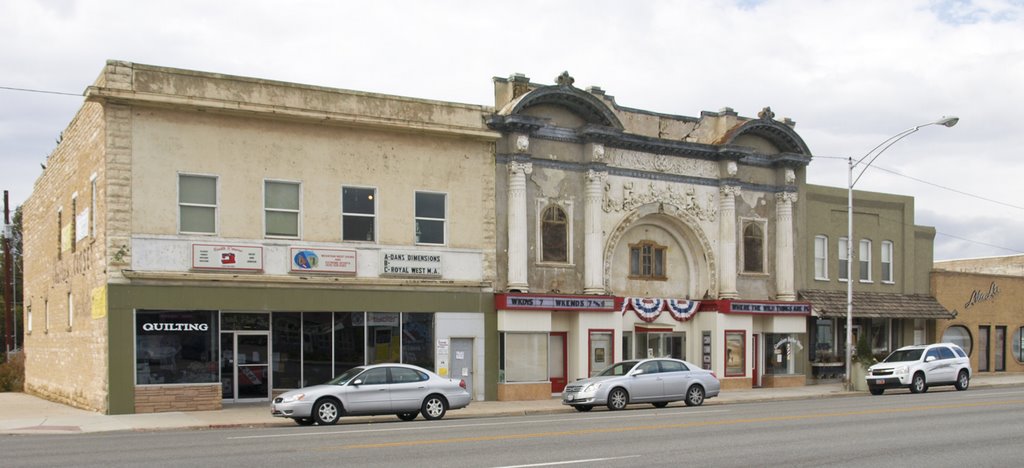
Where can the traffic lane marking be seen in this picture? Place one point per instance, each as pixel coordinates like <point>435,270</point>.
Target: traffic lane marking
<point>570,462</point>
<point>654,427</point>
<point>432,426</point>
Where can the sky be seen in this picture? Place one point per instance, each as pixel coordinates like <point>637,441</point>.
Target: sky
<point>850,73</point>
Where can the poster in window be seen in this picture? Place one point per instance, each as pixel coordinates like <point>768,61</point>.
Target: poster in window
<point>598,355</point>
<point>735,353</point>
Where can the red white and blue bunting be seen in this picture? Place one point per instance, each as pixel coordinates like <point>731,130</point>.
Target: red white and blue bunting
<point>649,309</point>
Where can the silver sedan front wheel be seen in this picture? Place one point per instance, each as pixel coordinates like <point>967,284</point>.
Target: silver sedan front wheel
<point>326,412</point>
<point>617,399</point>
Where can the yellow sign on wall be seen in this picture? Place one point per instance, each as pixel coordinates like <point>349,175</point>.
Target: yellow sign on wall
<point>99,302</point>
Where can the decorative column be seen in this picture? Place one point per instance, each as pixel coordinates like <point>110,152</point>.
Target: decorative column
<point>784,246</point>
<point>517,225</point>
<point>727,241</point>
<point>593,240</point>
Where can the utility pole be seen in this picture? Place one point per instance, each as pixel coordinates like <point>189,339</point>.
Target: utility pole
<point>8,312</point>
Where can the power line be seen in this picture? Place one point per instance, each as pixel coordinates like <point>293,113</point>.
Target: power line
<point>933,184</point>
<point>41,91</point>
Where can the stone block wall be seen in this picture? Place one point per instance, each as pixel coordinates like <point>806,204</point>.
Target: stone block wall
<point>165,398</point>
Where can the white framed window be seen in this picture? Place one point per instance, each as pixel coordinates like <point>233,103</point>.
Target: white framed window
<point>887,276</point>
<point>74,222</point>
<point>197,204</point>
<point>282,206</point>
<point>821,257</point>
<point>554,231</point>
<point>864,254</point>
<point>358,214</point>
<point>431,211</point>
<point>647,261</point>
<point>844,262</point>
<point>754,255</point>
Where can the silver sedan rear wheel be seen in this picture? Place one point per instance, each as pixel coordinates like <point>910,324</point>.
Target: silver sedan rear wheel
<point>695,396</point>
<point>434,407</point>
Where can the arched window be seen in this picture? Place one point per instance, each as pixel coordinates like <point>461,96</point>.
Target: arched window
<point>958,335</point>
<point>753,248</point>
<point>554,235</point>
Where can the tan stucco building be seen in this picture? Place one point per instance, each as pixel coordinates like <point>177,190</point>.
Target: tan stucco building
<point>988,296</point>
<point>199,238</point>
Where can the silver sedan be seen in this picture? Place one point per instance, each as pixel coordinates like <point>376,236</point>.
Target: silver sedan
<point>655,381</point>
<point>401,389</point>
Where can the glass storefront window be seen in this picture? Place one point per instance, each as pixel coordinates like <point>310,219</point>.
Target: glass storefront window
<point>287,341</point>
<point>824,339</point>
<point>958,335</point>
<point>349,341</point>
<point>316,347</point>
<point>382,332</point>
<point>528,359</point>
<point>418,340</point>
<point>660,344</point>
<point>784,354</point>
<point>176,347</point>
<point>244,321</point>
<point>1017,345</point>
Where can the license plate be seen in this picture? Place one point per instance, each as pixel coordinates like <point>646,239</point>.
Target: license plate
<point>880,381</point>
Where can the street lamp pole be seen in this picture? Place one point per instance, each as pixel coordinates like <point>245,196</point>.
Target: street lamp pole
<point>851,181</point>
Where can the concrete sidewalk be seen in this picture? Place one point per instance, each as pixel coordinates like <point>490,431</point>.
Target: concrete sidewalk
<point>26,414</point>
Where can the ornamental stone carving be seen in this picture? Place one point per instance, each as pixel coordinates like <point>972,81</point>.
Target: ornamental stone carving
<point>730,190</point>
<point>685,200</point>
<point>790,177</point>
<point>522,143</point>
<point>598,152</point>
<point>519,167</point>
<point>665,164</point>
<point>731,168</point>
<point>784,197</point>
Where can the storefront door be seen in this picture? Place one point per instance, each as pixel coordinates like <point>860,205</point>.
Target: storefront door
<point>557,361</point>
<point>245,365</point>
<point>462,361</point>
<point>757,360</point>
<point>601,353</point>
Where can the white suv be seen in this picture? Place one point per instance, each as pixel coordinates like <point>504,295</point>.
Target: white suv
<point>919,367</point>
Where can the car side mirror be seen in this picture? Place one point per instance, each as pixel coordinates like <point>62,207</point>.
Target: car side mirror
<point>357,382</point>
<point>638,372</point>
<point>929,359</point>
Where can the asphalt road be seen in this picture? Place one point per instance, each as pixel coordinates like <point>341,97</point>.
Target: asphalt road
<point>938,428</point>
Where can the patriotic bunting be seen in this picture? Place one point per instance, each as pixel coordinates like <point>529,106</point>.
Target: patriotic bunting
<point>649,309</point>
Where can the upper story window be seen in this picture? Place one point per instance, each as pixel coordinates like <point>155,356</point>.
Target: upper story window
<point>887,276</point>
<point>865,260</point>
<point>281,206</point>
<point>92,206</point>
<point>197,204</point>
<point>844,262</point>
<point>647,261</point>
<point>554,235</point>
<point>430,218</point>
<point>821,257</point>
<point>753,247</point>
<point>358,213</point>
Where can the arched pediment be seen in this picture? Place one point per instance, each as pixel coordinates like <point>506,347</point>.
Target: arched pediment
<point>778,134</point>
<point>581,103</point>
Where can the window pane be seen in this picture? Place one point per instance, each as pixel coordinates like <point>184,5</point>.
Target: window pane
<point>753,254</point>
<point>286,343</point>
<point>281,195</point>
<point>348,340</point>
<point>634,261</point>
<point>418,339</point>
<point>197,189</point>
<point>554,234</point>
<point>528,362</point>
<point>735,354</point>
<point>357,228</point>
<point>282,224</point>
<point>198,219</point>
<point>429,205</point>
<point>958,335</point>
<point>316,347</point>
<point>659,263</point>
<point>429,232</point>
<point>176,347</point>
<point>383,333</point>
<point>357,200</point>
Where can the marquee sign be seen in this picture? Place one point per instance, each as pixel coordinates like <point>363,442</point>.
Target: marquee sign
<point>767,308</point>
<point>550,302</point>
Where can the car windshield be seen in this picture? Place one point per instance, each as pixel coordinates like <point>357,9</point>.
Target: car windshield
<point>901,355</point>
<point>619,368</point>
<point>346,376</point>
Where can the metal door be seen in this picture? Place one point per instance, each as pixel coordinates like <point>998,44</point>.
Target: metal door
<point>462,361</point>
<point>245,366</point>
<point>601,352</point>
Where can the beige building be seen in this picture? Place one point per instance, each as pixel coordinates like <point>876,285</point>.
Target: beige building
<point>626,233</point>
<point>988,296</point>
<point>199,238</point>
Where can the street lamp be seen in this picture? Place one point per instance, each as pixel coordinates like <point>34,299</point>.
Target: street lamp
<point>873,154</point>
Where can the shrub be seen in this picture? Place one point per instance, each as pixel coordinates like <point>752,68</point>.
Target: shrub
<point>12,374</point>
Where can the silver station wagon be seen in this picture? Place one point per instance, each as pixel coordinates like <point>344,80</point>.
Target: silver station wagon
<point>655,381</point>
<point>400,389</point>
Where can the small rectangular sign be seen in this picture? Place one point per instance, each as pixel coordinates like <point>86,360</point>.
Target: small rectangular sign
<point>399,263</point>
<point>309,260</point>
<point>227,257</point>
<point>544,302</point>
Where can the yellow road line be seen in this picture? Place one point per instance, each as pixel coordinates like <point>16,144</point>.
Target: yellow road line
<point>727,422</point>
